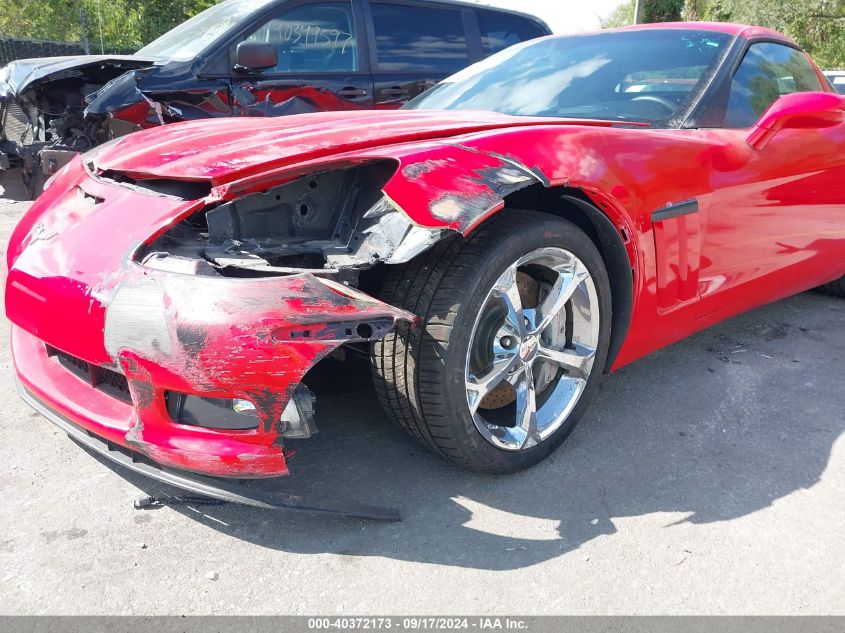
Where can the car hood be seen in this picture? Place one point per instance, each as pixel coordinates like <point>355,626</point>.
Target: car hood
<point>224,150</point>
<point>21,74</point>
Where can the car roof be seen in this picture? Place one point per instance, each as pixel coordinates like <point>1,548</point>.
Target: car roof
<point>739,30</point>
<point>478,5</point>
<point>465,4</point>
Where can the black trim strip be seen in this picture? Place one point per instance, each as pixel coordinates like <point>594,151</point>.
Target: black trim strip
<point>687,207</point>
<point>213,487</point>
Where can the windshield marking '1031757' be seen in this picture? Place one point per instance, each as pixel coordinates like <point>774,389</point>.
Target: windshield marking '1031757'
<point>637,75</point>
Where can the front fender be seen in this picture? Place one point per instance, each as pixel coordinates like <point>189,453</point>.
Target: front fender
<point>459,183</point>
<point>456,186</point>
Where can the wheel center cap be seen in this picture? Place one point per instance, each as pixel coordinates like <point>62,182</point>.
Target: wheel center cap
<point>528,348</point>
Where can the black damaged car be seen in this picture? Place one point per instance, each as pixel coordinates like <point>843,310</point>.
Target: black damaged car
<point>245,58</point>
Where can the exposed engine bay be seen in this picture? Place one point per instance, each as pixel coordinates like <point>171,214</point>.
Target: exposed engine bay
<point>333,223</point>
<point>43,119</point>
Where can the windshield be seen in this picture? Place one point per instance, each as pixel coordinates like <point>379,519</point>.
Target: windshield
<point>646,75</point>
<point>190,38</point>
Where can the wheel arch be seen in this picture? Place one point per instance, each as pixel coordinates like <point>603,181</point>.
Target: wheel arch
<point>459,187</point>
<point>574,205</point>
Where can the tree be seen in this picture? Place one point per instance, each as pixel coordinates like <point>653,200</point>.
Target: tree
<point>126,24</point>
<point>662,10</point>
<point>652,11</point>
<point>622,15</point>
<point>818,26</point>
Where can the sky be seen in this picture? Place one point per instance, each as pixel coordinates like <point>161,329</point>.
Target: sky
<point>563,16</point>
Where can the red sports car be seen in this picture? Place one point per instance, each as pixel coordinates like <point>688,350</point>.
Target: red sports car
<point>541,218</point>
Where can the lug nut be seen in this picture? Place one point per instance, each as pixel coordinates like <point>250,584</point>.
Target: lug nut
<point>507,342</point>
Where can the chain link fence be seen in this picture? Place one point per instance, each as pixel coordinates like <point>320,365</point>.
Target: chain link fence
<point>45,28</point>
<point>12,48</point>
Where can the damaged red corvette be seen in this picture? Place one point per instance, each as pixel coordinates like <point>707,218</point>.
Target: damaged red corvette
<point>539,219</point>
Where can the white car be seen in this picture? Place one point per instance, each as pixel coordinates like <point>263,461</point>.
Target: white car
<point>837,78</point>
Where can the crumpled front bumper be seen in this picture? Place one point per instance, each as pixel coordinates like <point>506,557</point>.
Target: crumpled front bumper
<point>215,337</point>
<point>76,295</point>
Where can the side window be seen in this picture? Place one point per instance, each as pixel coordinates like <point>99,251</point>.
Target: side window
<point>767,72</point>
<point>500,30</point>
<point>416,38</point>
<point>312,38</point>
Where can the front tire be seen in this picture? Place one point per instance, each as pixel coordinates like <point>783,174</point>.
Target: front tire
<point>835,288</point>
<point>512,343</point>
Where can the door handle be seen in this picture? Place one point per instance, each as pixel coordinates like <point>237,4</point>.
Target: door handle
<point>394,92</point>
<point>352,92</point>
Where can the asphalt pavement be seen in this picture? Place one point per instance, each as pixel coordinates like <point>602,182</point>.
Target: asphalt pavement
<point>708,478</point>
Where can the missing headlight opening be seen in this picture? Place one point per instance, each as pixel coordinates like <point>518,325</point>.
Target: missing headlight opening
<point>332,223</point>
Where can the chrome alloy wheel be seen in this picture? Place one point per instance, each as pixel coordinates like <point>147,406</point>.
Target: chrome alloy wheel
<point>532,349</point>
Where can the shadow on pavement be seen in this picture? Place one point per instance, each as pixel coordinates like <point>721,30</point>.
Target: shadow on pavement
<point>716,427</point>
<point>12,188</point>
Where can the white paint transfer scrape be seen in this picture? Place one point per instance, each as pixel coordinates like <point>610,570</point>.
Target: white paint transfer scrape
<point>137,319</point>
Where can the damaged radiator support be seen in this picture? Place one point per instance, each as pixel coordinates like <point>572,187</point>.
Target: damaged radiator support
<point>332,223</point>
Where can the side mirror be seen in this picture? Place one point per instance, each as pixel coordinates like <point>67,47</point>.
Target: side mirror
<point>799,110</point>
<point>255,56</point>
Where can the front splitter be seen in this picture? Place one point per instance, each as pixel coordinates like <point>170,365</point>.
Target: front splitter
<point>212,487</point>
